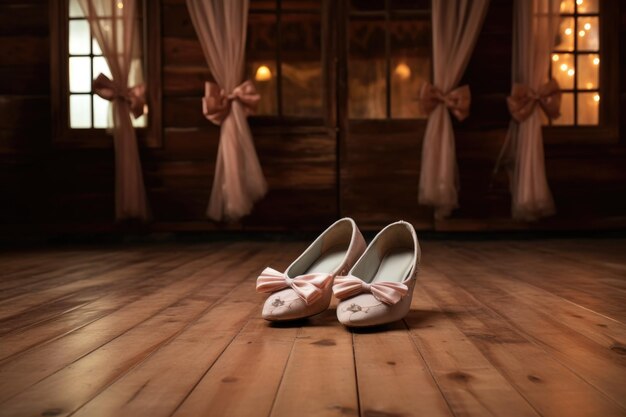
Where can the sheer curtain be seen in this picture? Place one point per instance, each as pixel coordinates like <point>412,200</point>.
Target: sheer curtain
<point>535,25</point>
<point>456,25</point>
<point>114,25</point>
<point>221,27</point>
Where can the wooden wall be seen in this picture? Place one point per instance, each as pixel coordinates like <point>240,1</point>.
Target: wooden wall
<point>46,187</point>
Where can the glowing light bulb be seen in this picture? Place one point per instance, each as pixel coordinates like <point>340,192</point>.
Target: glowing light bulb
<point>579,2</point>
<point>403,71</point>
<point>263,73</point>
<point>596,61</point>
<point>563,67</point>
<point>120,5</point>
<point>596,97</point>
<point>555,57</point>
<point>568,31</point>
<point>581,33</point>
<point>587,26</point>
<point>570,72</point>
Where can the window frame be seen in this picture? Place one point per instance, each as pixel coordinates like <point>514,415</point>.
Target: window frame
<point>65,136</point>
<point>297,124</point>
<point>607,129</point>
<point>389,15</point>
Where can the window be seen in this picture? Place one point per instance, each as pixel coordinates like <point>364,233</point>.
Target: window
<point>80,117</point>
<point>576,63</point>
<point>389,58</point>
<point>284,57</point>
<point>85,63</point>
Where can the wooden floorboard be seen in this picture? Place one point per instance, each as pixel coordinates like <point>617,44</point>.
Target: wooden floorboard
<point>496,328</point>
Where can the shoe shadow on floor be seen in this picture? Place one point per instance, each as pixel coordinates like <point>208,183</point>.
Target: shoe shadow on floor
<point>415,319</point>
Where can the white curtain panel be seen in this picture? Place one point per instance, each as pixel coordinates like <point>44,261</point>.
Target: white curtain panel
<point>456,25</point>
<point>535,25</point>
<point>116,31</point>
<point>221,27</point>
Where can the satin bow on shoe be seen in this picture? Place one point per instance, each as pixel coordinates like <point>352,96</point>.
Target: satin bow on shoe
<point>309,287</point>
<point>386,291</point>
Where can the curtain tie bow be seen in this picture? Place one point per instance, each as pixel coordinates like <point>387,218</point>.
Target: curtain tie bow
<point>386,291</point>
<point>216,103</point>
<point>309,287</point>
<point>523,100</point>
<point>111,90</point>
<point>457,100</point>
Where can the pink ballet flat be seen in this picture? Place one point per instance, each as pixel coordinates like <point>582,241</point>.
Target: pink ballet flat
<point>305,288</point>
<point>379,287</point>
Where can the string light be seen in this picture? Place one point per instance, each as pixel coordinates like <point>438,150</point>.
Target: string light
<point>596,97</point>
<point>581,33</point>
<point>579,2</point>
<point>587,26</point>
<point>570,72</point>
<point>568,31</point>
<point>120,5</point>
<point>596,61</point>
<point>555,57</point>
<point>263,73</point>
<point>563,67</point>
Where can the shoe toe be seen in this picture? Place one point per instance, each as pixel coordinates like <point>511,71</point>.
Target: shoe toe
<point>362,310</point>
<point>286,305</point>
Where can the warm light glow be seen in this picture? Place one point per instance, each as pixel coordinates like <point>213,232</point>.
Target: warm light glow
<point>596,61</point>
<point>403,71</point>
<point>120,5</point>
<point>581,33</point>
<point>589,85</point>
<point>587,26</point>
<point>596,98</point>
<point>563,67</point>
<point>555,57</point>
<point>263,73</point>
<point>579,2</point>
<point>568,31</point>
<point>570,72</point>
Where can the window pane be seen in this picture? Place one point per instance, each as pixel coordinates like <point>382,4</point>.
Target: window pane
<point>101,116</point>
<point>565,36</point>
<point>588,70</point>
<point>587,6</point>
<point>100,66</point>
<point>75,9</point>
<point>264,76</point>
<point>588,39</point>
<point>79,37</point>
<point>301,65</point>
<point>80,111</point>
<point>367,69</point>
<point>261,60</point>
<point>410,65</point>
<point>95,47</point>
<point>567,6</point>
<point>563,70</point>
<point>80,74</point>
<point>588,105</point>
<point>567,110</point>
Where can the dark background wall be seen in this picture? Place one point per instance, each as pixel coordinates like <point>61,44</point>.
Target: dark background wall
<point>315,174</point>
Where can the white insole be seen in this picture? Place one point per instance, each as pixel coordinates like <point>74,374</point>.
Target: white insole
<point>395,265</point>
<point>329,261</point>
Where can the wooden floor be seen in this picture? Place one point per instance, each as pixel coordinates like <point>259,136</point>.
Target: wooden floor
<point>498,328</point>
